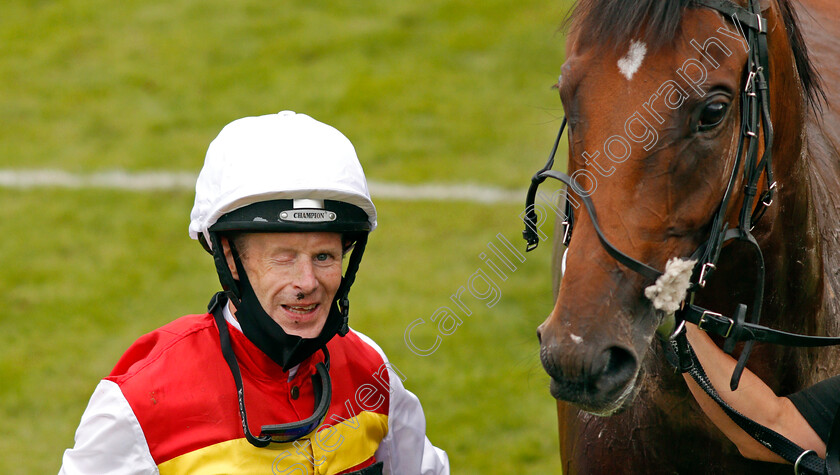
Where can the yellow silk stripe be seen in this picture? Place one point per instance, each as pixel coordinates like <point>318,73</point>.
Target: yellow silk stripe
<point>328,452</point>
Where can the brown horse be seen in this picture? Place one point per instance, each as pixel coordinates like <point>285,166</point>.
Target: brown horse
<point>651,92</point>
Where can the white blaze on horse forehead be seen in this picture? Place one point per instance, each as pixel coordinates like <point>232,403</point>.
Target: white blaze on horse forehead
<point>630,63</point>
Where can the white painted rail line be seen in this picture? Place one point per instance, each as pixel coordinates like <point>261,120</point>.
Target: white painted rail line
<point>163,180</point>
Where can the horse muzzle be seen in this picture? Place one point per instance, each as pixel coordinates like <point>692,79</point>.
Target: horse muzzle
<point>598,377</point>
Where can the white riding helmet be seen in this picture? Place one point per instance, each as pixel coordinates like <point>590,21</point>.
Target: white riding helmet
<point>284,156</point>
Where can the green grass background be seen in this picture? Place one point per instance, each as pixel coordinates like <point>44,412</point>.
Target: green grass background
<point>435,91</point>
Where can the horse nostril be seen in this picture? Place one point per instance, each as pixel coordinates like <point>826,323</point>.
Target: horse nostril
<point>539,332</point>
<point>618,368</point>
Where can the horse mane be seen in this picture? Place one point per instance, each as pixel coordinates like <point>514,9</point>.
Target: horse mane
<point>616,22</point>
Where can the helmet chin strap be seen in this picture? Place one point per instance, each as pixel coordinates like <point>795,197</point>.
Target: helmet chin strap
<point>284,349</point>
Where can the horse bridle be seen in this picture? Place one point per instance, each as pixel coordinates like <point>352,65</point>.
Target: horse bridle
<point>755,113</point>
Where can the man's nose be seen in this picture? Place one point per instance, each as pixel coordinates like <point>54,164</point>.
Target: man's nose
<point>305,279</point>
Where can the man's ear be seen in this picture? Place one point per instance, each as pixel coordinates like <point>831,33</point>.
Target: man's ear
<point>229,257</point>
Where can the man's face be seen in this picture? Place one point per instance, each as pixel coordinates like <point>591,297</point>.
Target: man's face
<point>294,275</point>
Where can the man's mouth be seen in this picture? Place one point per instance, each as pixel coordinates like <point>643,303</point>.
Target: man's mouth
<point>301,309</point>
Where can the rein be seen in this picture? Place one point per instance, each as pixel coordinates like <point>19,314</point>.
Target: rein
<point>755,118</point>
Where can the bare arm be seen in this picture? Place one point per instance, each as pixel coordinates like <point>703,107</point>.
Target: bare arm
<point>753,398</point>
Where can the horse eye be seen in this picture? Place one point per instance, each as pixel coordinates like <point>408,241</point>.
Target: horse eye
<point>712,115</point>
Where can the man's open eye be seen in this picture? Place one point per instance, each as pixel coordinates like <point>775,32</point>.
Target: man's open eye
<point>323,257</point>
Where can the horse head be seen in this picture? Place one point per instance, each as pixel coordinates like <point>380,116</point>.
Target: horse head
<point>652,93</point>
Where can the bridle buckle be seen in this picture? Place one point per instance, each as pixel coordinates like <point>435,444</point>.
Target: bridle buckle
<point>567,229</point>
<point>703,271</point>
<point>750,81</point>
<point>715,314</point>
<point>772,187</point>
<point>530,246</point>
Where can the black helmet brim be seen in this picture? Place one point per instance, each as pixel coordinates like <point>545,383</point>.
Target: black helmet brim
<point>282,216</point>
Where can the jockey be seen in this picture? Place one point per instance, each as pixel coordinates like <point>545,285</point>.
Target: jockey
<point>271,379</point>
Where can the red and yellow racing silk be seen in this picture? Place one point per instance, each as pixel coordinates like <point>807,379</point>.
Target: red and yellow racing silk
<point>170,406</point>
